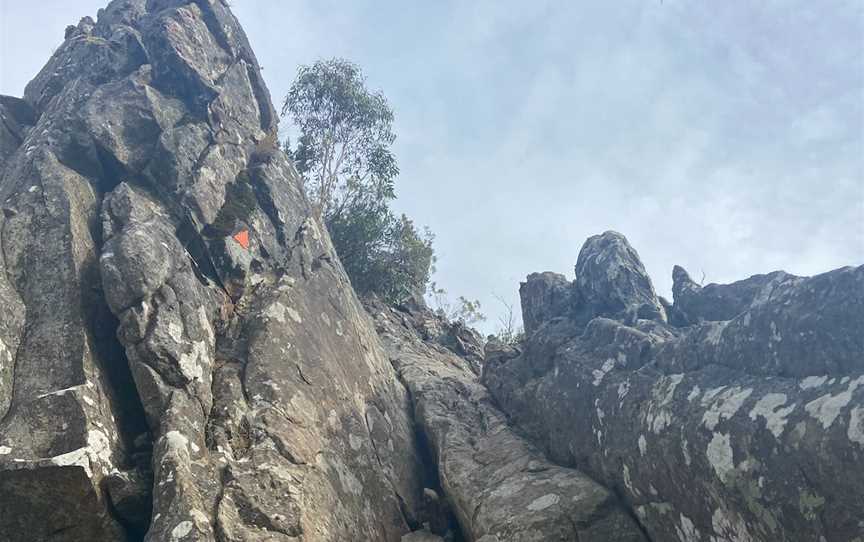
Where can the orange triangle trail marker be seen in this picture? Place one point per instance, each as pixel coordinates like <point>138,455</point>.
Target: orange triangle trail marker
<point>242,238</point>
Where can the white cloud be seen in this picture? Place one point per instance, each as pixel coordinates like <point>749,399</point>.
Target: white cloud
<point>723,136</point>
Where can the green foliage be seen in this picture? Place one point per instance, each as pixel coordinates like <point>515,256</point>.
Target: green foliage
<point>382,253</point>
<point>343,154</point>
<point>343,150</point>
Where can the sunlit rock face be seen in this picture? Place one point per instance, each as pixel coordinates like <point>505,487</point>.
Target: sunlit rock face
<point>740,420</point>
<point>158,378</point>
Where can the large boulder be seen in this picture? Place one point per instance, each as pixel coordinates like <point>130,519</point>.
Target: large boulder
<point>160,379</point>
<point>500,487</point>
<point>748,428</point>
<point>612,281</point>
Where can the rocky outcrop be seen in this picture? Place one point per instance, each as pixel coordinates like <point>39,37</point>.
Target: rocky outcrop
<point>744,426</point>
<point>182,357</point>
<point>715,302</point>
<point>499,486</point>
<point>544,296</point>
<point>156,375</point>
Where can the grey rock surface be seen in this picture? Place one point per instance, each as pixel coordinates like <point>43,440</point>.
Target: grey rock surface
<point>544,296</point>
<point>748,428</point>
<point>612,281</point>
<point>716,302</point>
<point>159,381</point>
<point>500,487</point>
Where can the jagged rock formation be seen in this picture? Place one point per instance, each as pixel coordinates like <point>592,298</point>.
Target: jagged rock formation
<point>500,487</point>
<point>148,359</point>
<point>746,425</point>
<point>182,357</point>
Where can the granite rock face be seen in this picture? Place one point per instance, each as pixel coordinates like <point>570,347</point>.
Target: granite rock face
<point>499,486</point>
<point>158,379</point>
<point>182,357</point>
<point>745,425</point>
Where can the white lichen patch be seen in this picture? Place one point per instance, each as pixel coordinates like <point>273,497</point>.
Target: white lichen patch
<point>623,390</point>
<point>200,517</point>
<point>724,406</point>
<point>664,391</point>
<point>812,382</point>
<point>325,319</point>
<point>79,457</point>
<point>710,394</point>
<point>628,482</point>
<point>686,451</point>
<point>5,450</point>
<point>600,374</point>
<point>99,448</point>
<point>694,393</point>
<point>276,311</point>
<point>5,354</point>
<point>856,426</point>
<point>192,363</point>
<point>97,452</point>
<point>775,335</point>
<point>771,408</point>
<point>182,529</point>
<point>205,324</point>
<point>660,421</point>
<point>827,408</point>
<point>177,441</point>
<point>643,445</point>
<point>175,331</point>
<point>687,531</point>
<point>335,424</point>
<point>355,442</point>
<point>294,315</point>
<point>659,416</point>
<point>544,502</point>
<point>720,455</point>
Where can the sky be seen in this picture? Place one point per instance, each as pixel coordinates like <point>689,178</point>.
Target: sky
<point>723,136</point>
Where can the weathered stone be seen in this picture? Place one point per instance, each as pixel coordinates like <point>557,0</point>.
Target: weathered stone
<point>16,119</point>
<point>123,197</point>
<point>718,302</point>
<point>612,281</point>
<point>544,296</point>
<point>161,381</point>
<point>62,410</point>
<point>746,429</point>
<point>499,486</point>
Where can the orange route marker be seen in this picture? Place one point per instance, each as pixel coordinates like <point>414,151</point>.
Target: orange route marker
<point>242,239</point>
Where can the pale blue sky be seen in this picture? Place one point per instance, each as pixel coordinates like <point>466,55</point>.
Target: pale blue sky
<point>725,136</point>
